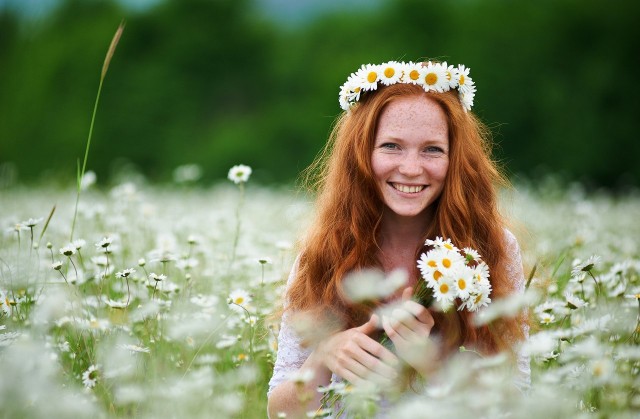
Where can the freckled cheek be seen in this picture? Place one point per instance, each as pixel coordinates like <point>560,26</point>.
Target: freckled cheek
<point>439,170</point>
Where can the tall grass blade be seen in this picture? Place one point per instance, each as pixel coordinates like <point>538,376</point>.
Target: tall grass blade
<point>105,67</point>
<point>46,224</point>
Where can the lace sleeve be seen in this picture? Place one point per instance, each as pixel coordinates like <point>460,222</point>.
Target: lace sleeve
<point>516,273</point>
<point>291,355</point>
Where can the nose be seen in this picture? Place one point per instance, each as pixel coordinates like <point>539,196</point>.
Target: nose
<point>410,166</point>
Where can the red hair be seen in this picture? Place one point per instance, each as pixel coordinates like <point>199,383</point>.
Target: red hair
<point>343,237</point>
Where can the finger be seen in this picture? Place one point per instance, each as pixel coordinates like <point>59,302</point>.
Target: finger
<point>367,366</point>
<point>395,329</point>
<point>363,365</point>
<point>419,312</point>
<point>408,325</point>
<point>377,350</point>
<point>407,293</point>
<point>370,326</point>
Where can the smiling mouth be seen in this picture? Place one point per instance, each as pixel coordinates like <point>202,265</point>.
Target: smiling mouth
<point>406,188</point>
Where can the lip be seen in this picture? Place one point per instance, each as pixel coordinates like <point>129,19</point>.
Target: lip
<point>408,188</point>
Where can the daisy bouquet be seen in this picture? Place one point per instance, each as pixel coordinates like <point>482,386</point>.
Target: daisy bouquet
<point>451,275</point>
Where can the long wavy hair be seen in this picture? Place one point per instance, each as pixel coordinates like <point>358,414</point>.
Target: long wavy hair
<point>344,235</point>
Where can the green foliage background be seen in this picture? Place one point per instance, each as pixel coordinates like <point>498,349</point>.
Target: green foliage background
<point>217,83</point>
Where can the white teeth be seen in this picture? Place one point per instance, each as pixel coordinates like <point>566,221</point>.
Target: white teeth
<point>406,188</point>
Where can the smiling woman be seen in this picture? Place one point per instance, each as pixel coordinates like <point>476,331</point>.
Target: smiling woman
<point>406,163</point>
<point>410,155</point>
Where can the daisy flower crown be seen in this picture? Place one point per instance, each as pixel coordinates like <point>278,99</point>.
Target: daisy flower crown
<point>432,77</point>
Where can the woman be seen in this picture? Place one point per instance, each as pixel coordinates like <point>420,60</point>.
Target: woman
<point>406,162</point>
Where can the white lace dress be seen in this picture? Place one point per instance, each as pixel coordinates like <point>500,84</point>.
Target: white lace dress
<point>291,355</point>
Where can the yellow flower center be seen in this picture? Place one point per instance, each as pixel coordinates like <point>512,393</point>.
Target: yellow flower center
<point>448,246</point>
<point>598,370</point>
<point>431,79</point>
<point>432,263</point>
<point>239,300</point>
<point>357,89</point>
<point>446,263</point>
<point>448,75</point>
<point>437,275</point>
<point>478,298</point>
<point>242,357</point>
<point>414,75</point>
<point>462,284</point>
<point>389,72</point>
<point>372,77</point>
<point>461,79</point>
<point>444,288</point>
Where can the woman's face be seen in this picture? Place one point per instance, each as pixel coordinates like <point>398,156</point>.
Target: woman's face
<point>410,155</point>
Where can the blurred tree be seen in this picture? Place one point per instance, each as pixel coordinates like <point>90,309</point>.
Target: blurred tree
<point>215,83</point>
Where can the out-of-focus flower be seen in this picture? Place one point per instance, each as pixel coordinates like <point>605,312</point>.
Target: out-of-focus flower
<point>68,250</point>
<point>239,173</point>
<point>239,300</point>
<point>104,243</point>
<point>88,179</point>
<point>90,376</point>
<point>125,273</point>
<point>187,173</point>
<point>31,222</point>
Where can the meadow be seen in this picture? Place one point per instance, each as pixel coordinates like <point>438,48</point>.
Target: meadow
<point>163,302</point>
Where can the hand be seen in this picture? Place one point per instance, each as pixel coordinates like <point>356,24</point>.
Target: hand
<point>409,327</point>
<point>358,358</point>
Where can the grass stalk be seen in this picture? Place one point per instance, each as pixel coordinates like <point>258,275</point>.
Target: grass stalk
<point>80,171</point>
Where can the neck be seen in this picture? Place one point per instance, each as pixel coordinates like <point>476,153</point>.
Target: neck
<point>398,232</point>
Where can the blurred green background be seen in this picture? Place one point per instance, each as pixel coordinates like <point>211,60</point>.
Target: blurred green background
<point>221,82</point>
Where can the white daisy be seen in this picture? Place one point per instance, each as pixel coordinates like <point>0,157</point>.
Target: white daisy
<point>239,300</point>
<point>411,73</point>
<point>349,93</point>
<point>464,282</point>
<point>452,75</point>
<point>546,318</point>
<point>573,302</point>
<point>31,222</point>
<point>586,266</point>
<point>434,78</point>
<point>239,173</point>
<point>157,278</point>
<point>445,291</point>
<point>368,76</point>
<point>471,254</point>
<point>481,275</point>
<point>390,73</point>
<point>104,243</point>
<point>477,300</point>
<point>264,261</point>
<point>439,242</point>
<point>465,83</point>
<point>635,296</point>
<point>90,376</point>
<point>68,250</point>
<point>429,269</point>
<point>125,273</point>
<point>466,99</point>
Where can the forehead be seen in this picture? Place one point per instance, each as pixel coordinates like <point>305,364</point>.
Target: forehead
<point>417,116</point>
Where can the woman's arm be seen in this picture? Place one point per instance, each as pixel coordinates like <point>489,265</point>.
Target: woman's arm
<point>351,354</point>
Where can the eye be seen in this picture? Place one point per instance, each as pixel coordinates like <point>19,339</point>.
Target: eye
<point>389,146</point>
<point>433,149</point>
